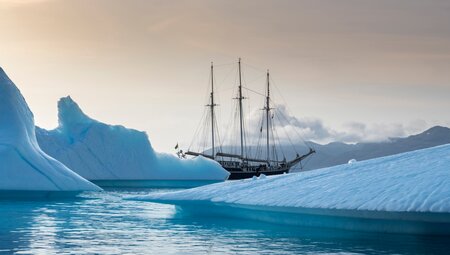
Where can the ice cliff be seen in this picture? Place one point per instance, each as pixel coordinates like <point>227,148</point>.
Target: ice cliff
<point>407,193</point>
<point>23,165</point>
<point>98,151</point>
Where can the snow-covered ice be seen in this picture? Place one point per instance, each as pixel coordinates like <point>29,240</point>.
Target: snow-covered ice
<point>351,161</point>
<point>98,151</point>
<point>23,165</point>
<point>408,192</point>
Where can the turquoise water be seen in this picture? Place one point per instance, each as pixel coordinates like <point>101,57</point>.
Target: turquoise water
<point>105,223</point>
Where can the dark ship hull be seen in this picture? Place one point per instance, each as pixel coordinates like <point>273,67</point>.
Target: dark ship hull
<point>238,171</point>
<point>238,174</point>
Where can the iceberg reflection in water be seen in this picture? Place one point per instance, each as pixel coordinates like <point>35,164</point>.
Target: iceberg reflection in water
<point>105,223</point>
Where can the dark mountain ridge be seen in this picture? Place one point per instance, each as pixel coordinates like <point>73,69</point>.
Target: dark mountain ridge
<point>337,153</point>
<point>340,153</point>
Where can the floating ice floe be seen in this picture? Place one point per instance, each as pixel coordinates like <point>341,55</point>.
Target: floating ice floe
<point>403,193</point>
<point>112,155</point>
<point>351,161</point>
<point>25,170</point>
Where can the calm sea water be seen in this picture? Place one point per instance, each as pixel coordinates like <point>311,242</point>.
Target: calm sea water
<point>105,223</point>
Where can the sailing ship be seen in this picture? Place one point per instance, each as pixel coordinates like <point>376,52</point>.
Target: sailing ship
<point>242,165</point>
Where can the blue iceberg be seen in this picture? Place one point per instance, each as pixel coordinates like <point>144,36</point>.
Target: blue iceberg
<point>113,155</point>
<point>403,193</point>
<point>25,170</point>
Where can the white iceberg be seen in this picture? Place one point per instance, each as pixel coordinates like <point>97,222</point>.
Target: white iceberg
<point>403,193</point>
<point>352,161</point>
<point>24,168</point>
<point>117,156</point>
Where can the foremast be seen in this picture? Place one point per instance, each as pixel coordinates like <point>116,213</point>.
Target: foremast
<point>241,112</point>
<point>212,105</point>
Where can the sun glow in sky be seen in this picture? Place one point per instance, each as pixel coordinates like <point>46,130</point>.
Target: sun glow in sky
<point>350,68</point>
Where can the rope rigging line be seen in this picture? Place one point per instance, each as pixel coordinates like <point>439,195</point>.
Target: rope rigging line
<point>256,92</point>
<point>232,115</point>
<point>277,138</point>
<point>287,109</point>
<point>226,77</point>
<point>298,134</point>
<point>229,140</point>
<point>198,129</point>
<point>255,67</point>
<point>287,134</point>
<point>254,80</point>
<point>217,133</point>
<point>258,152</point>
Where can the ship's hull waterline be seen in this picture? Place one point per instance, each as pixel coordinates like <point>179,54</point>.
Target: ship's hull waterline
<point>237,174</point>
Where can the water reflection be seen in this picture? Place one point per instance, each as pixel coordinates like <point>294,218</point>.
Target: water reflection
<point>107,224</point>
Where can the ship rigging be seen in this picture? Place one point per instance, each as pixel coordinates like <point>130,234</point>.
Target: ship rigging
<point>242,164</point>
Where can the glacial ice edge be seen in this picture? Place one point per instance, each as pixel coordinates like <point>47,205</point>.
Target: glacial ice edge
<point>403,193</point>
<point>421,223</point>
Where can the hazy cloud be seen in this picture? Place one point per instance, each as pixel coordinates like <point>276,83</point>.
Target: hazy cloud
<point>314,129</point>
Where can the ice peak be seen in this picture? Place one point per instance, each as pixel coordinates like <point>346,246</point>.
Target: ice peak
<point>24,166</point>
<point>70,114</point>
<point>16,119</point>
<point>3,78</point>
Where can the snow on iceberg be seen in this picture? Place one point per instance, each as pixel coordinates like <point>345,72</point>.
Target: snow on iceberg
<point>352,161</point>
<point>24,167</point>
<point>106,153</point>
<point>403,193</point>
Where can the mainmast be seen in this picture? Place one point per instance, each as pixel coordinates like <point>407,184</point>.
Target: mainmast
<point>212,105</point>
<point>267,108</point>
<point>241,117</point>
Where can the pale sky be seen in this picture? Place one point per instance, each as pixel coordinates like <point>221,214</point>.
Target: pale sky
<point>350,70</point>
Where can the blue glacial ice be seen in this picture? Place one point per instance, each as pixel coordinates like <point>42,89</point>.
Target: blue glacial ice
<point>113,155</point>
<point>403,193</point>
<point>24,168</point>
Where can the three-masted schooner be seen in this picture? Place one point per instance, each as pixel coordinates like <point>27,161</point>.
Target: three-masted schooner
<point>241,165</point>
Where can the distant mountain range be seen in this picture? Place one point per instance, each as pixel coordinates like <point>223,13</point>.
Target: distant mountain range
<point>340,153</point>
<point>337,153</point>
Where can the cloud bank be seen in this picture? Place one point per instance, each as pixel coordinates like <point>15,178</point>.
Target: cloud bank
<point>287,127</point>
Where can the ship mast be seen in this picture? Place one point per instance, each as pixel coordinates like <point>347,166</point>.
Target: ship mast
<point>267,108</point>
<point>212,105</point>
<point>241,117</point>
